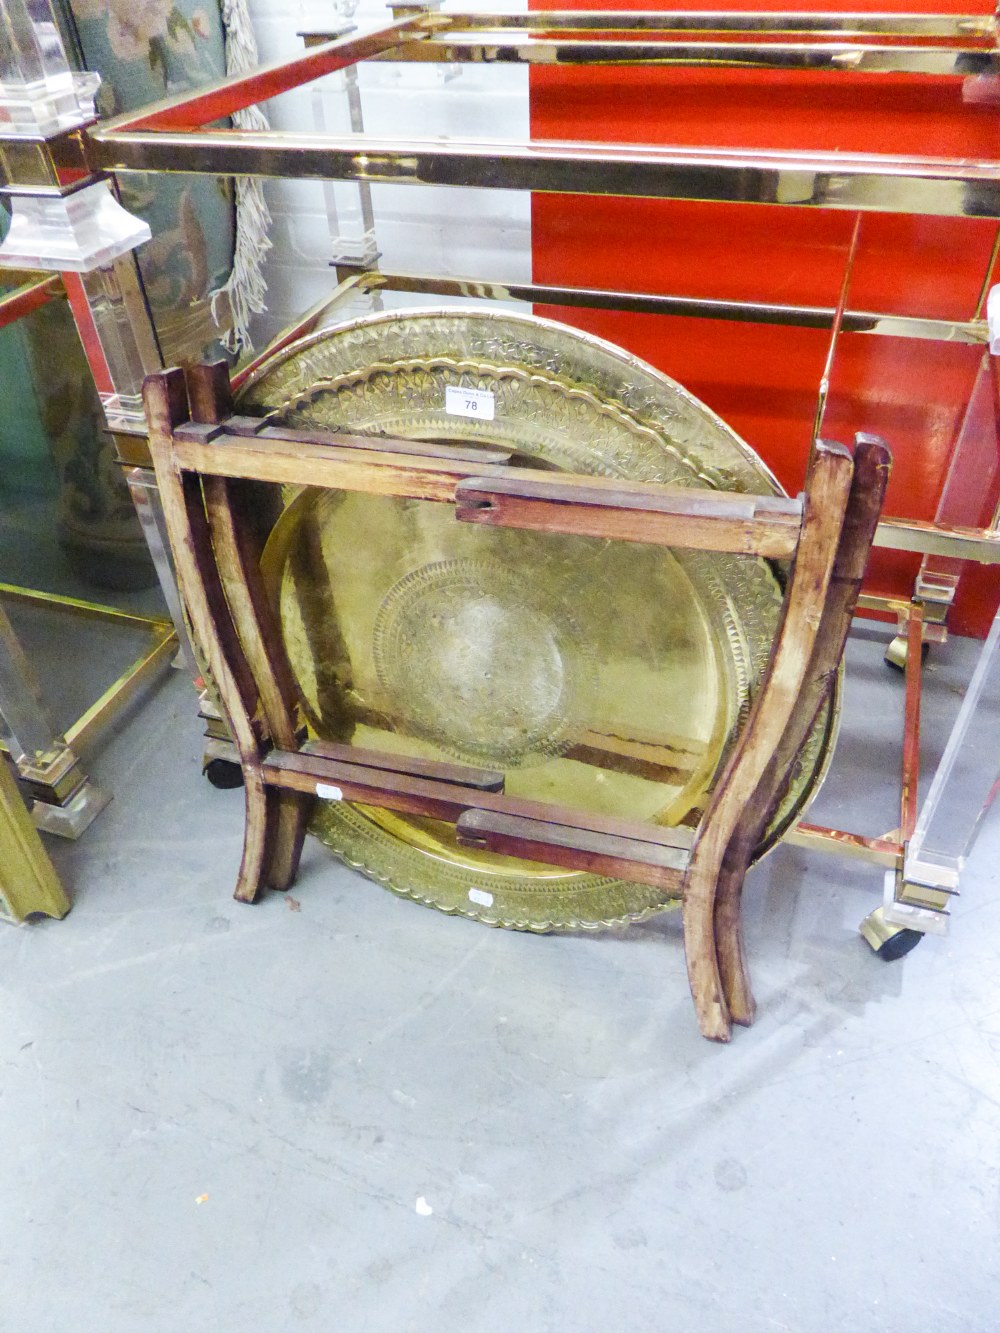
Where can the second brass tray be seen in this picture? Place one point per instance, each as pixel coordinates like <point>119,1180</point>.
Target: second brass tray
<point>603,675</point>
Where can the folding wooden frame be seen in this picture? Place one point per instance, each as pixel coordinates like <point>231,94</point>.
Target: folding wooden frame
<point>204,457</point>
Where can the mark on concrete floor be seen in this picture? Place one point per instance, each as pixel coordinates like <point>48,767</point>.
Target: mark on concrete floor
<point>306,1299</point>
<point>730,1174</point>
<point>306,1076</point>
<point>632,1239</point>
<point>379,1272</point>
<point>217,925</point>
<point>422,1207</point>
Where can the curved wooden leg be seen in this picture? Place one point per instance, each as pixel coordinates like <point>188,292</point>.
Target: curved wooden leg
<point>258,837</point>
<point>862,508</point>
<point>290,814</point>
<point>699,952</point>
<point>729,945</point>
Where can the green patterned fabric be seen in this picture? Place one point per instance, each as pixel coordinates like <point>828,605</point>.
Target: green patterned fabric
<point>143,49</point>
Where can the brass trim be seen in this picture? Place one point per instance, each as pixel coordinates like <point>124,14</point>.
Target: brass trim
<point>900,534</point>
<point>28,881</point>
<point>932,628</point>
<point>119,694</point>
<point>973,332</point>
<point>865,182</point>
<point>348,286</point>
<point>954,26</point>
<point>895,606</point>
<point>132,448</point>
<point>25,161</point>
<point>221,98</point>
<point>54,777</point>
<point>60,778</point>
<point>853,57</point>
<point>90,610</point>
<point>920,895</point>
<point>876,851</point>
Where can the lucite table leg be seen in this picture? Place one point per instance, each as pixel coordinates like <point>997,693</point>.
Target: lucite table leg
<point>959,800</point>
<point>64,800</point>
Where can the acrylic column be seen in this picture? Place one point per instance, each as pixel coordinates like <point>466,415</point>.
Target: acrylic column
<point>70,223</point>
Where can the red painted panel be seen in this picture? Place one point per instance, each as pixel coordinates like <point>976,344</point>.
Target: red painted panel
<point>765,380</point>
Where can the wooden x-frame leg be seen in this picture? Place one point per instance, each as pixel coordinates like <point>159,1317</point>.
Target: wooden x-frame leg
<point>843,501</point>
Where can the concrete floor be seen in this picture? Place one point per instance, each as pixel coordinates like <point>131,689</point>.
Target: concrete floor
<point>359,1115</point>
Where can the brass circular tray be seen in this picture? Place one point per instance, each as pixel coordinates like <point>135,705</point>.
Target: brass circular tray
<point>604,675</point>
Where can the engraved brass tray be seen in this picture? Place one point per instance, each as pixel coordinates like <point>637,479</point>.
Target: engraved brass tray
<point>603,675</point>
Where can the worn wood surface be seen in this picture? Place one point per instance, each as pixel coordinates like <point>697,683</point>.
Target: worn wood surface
<point>388,444</point>
<point>581,505</point>
<point>165,398</point>
<point>238,554</point>
<point>461,774</point>
<point>285,463</point>
<point>237,532</point>
<point>868,484</point>
<point>209,393</point>
<point>827,488</point>
<point>633,512</point>
<point>383,784</point>
<point>574,848</point>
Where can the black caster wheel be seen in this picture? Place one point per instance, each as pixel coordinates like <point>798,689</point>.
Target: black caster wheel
<point>899,945</point>
<point>886,941</point>
<point>223,774</point>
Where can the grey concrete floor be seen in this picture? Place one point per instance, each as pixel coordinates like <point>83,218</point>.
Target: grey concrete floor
<point>362,1115</point>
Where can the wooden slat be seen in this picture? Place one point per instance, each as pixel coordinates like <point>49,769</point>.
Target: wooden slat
<point>747,525</point>
<point>633,512</point>
<point>386,444</point>
<point>416,477</point>
<point>264,428</point>
<point>458,774</point>
<point>370,786</point>
<point>448,800</point>
<point>246,427</point>
<point>209,393</point>
<point>573,848</point>
<point>198,432</point>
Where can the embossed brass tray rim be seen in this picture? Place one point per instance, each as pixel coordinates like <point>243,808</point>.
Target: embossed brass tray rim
<point>627,360</point>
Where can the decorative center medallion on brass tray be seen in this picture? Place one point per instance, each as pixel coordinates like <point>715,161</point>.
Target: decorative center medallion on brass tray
<point>605,675</point>
<point>486,664</point>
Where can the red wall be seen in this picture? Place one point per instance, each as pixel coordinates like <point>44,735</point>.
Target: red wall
<point>764,380</point>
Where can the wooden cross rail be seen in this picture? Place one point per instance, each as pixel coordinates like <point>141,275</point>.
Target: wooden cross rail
<point>479,484</point>
<point>205,456</point>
